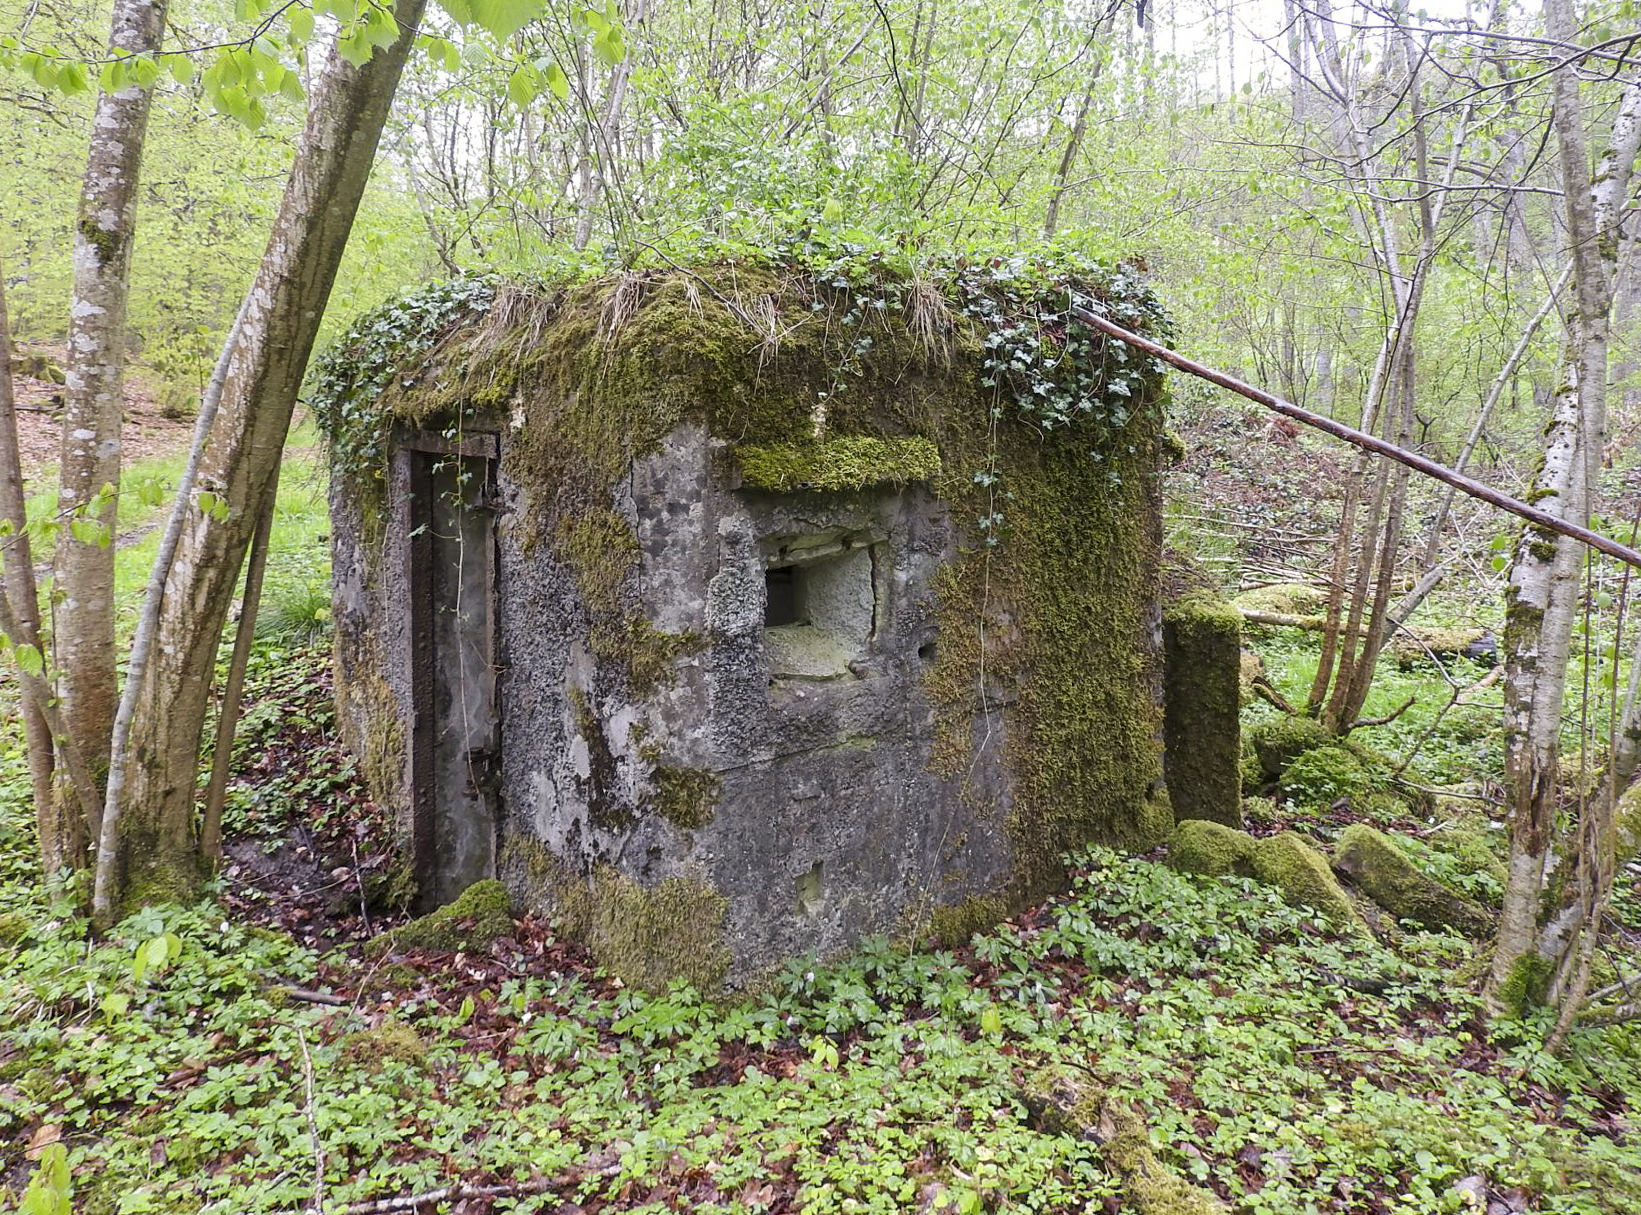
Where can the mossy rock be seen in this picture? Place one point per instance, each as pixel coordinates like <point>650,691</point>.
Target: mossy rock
<point>1283,599</point>
<point>14,928</point>
<point>1278,743</point>
<point>1211,850</point>
<point>1289,862</point>
<point>481,915</point>
<point>1060,1101</point>
<point>1383,872</point>
<point>368,1049</point>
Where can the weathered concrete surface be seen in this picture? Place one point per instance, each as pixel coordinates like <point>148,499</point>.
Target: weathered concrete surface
<point>783,771</point>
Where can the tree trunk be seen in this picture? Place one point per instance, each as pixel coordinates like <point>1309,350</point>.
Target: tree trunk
<point>61,827</point>
<point>1535,943</point>
<point>93,397</point>
<point>156,856</point>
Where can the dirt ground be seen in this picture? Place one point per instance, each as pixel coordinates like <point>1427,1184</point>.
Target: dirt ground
<point>39,427</point>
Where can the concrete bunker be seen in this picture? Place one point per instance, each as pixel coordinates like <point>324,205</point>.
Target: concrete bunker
<point>728,637</point>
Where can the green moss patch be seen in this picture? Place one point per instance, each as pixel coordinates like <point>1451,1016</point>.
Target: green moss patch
<point>1377,867</point>
<point>1202,648</point>
<point>849,462</point>
<point>1211,850</point>
<point>646,936</point>
<point>686,797</point>
<point>479,916</point>
<point>1289,862</point>
<point>391,1040</point>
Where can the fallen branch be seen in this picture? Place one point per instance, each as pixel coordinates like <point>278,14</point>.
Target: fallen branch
<point>1350,434</point>
<point>1282,620</point>
<point>1387,718</point>
<point>313,1126</point>
<point>307,996</point>
<point>460,1193</point>
<point>1267,692</point>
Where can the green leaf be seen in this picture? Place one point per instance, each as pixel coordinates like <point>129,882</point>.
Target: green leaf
<point>89,532</point>
<point>504,18</point>
<point>40,69</point>
<point>72,79</point>
<point>460,12</point>
<point>115,1005</point>
<point>521,87</point>
<point>356,47</point>
<point>611,46</point>
<point>556,81</point>
<point>29,660</point>
<point>991,1021</point>
<point>299,27</point>
<point>116,74</point>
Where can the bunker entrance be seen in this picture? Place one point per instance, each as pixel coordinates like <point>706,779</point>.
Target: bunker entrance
<point>449,488</point>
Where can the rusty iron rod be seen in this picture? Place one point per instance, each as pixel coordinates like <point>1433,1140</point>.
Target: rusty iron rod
<point>1362,439</point>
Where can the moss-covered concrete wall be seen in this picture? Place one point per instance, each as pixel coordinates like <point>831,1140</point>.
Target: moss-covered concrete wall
<point>970,681</point>
<point>1202,655</point>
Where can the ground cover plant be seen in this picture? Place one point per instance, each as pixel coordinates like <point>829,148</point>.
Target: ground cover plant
<point>182,1063</point>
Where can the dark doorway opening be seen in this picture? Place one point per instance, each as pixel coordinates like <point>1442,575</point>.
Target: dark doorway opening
<point>450,527</point>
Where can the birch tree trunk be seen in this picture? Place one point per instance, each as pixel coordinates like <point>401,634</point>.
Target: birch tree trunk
<point>154,820</point>
<point>1536,943</point>
<point>93,396</point>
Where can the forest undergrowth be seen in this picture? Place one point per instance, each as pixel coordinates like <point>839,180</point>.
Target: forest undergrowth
<point>252,1053</point>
